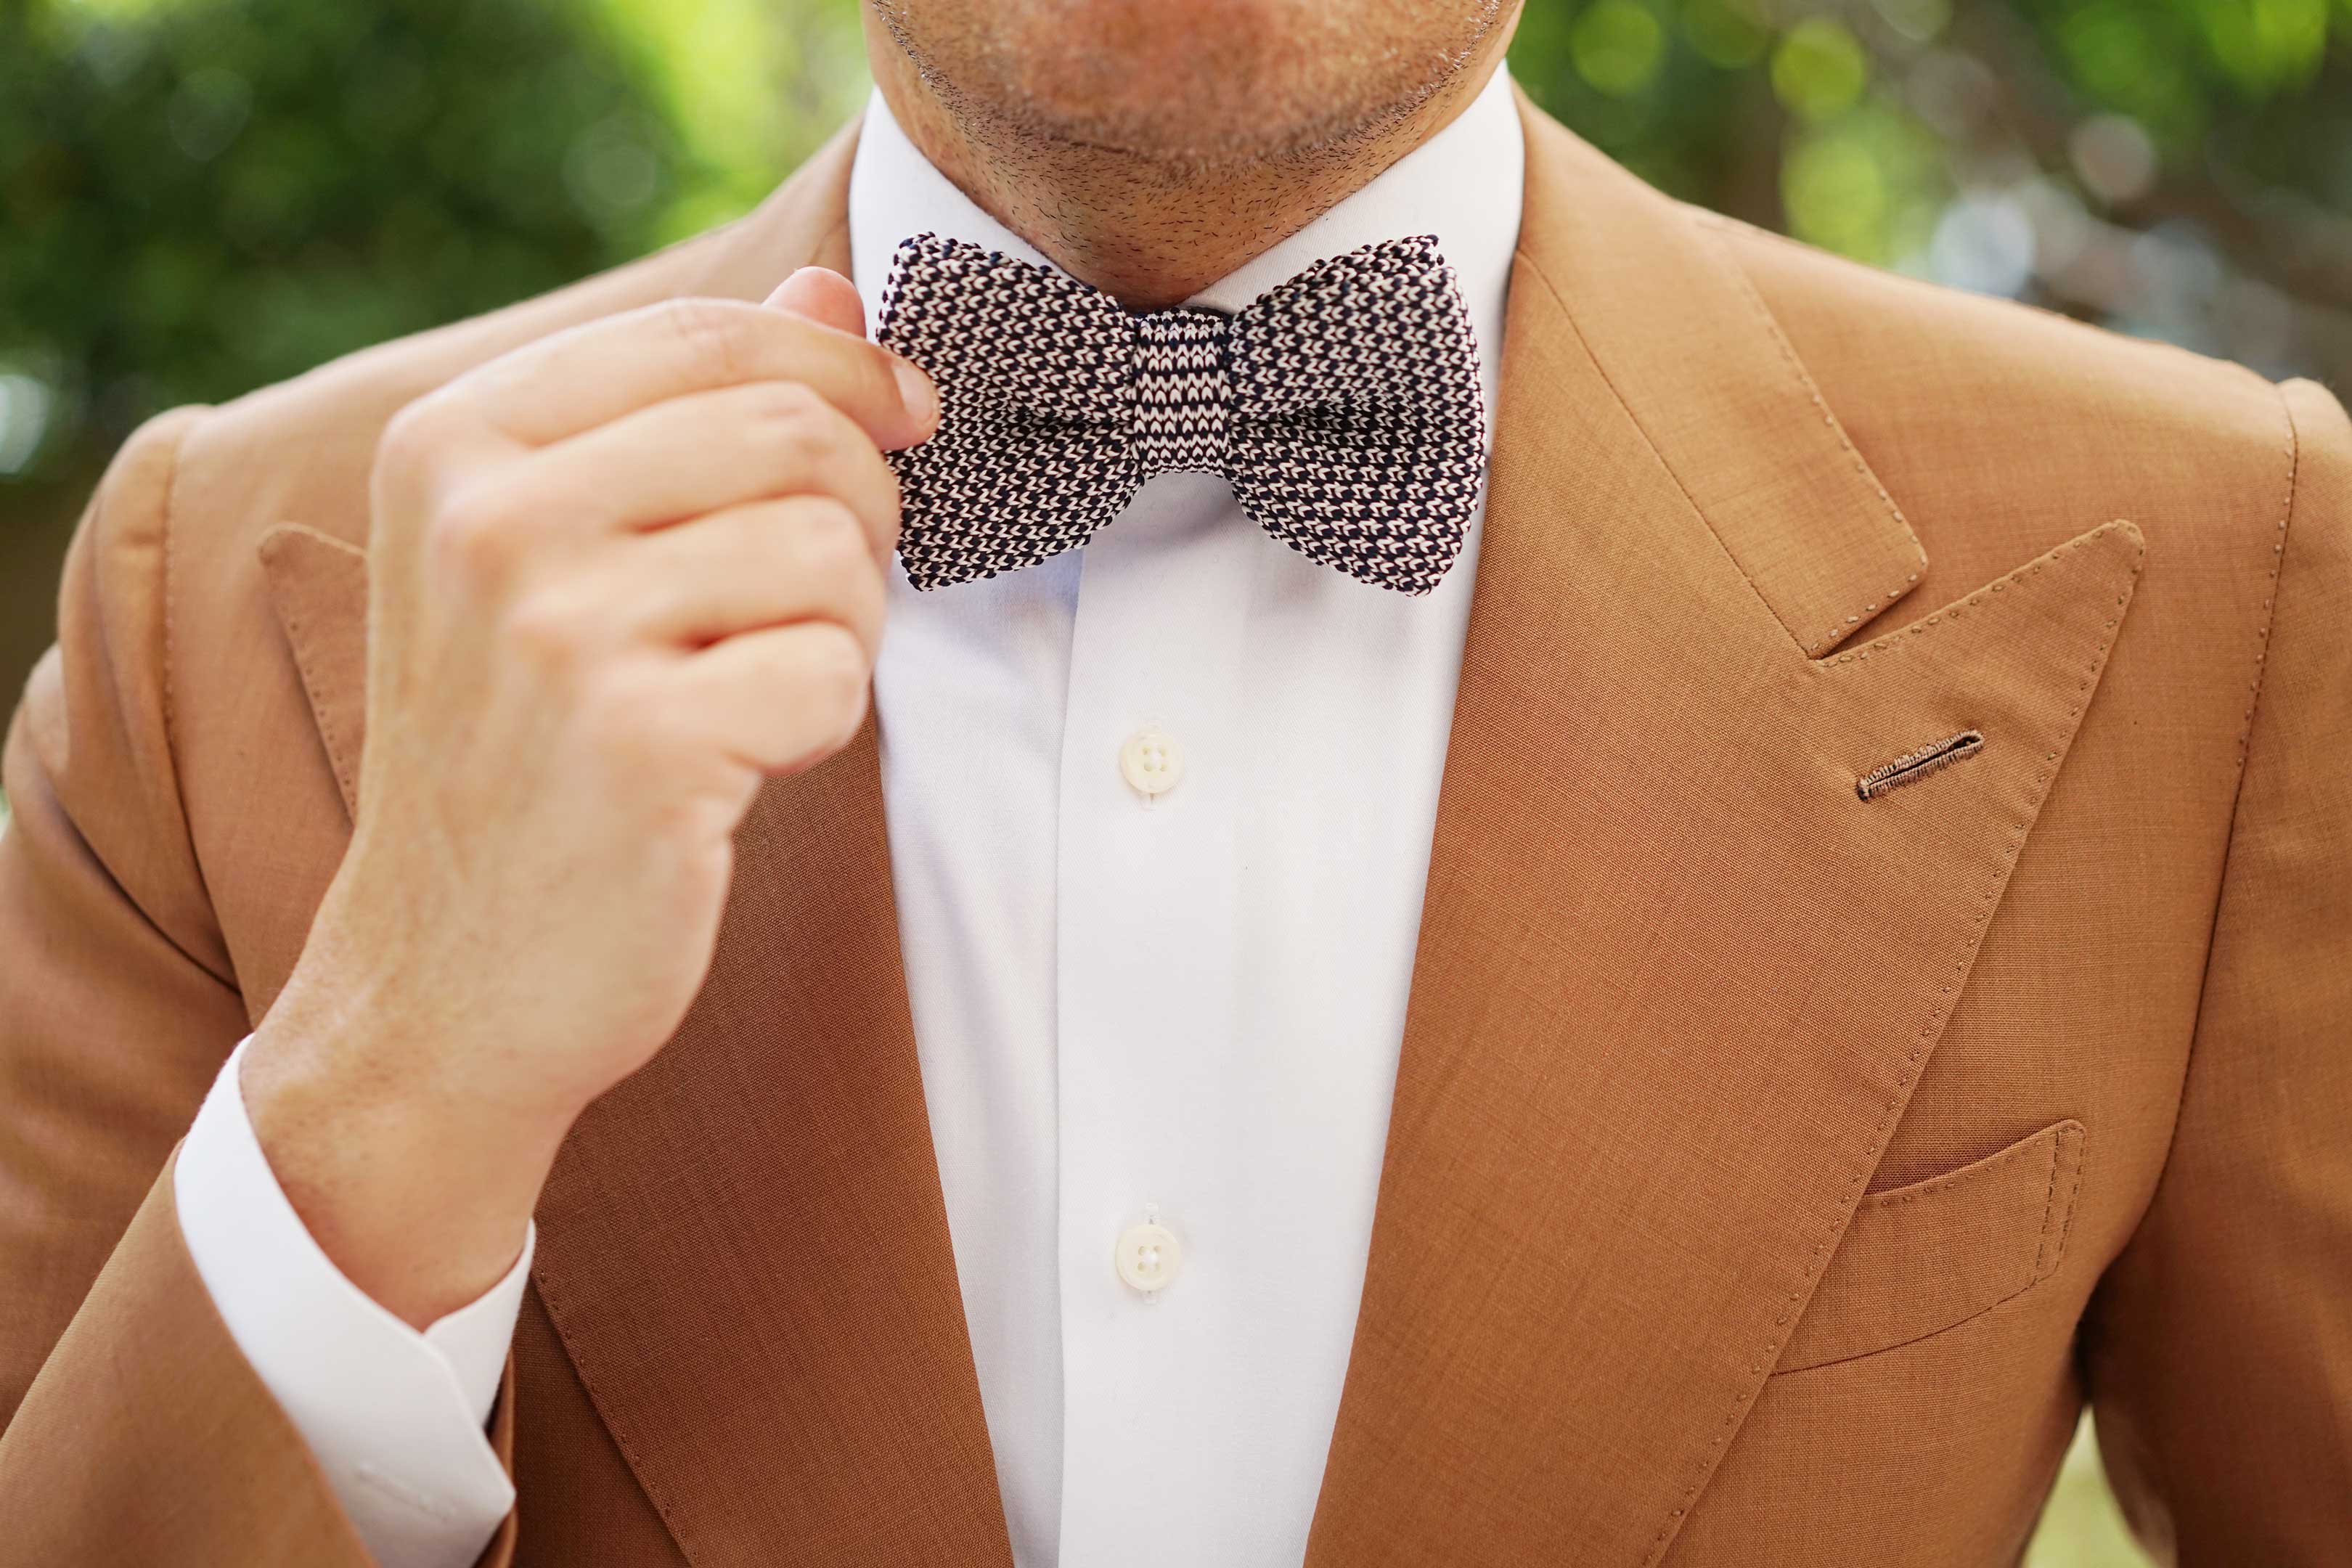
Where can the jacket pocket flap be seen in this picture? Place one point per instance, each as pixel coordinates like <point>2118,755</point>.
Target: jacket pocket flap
<point>1918,1260</point>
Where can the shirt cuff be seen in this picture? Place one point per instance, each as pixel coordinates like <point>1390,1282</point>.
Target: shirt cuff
<point>393,1417</point>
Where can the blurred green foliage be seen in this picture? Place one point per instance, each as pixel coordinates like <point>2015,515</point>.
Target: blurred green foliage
<point>2177,168</point>
<point>2081,1527</point>
<point>201,197</point>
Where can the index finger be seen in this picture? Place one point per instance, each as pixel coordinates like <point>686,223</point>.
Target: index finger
<point>597,372</point>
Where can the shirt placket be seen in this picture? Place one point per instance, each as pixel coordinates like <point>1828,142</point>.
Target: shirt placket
<point>1146,929</point>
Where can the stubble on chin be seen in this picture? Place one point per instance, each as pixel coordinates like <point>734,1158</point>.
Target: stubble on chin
<point>1177,91</point>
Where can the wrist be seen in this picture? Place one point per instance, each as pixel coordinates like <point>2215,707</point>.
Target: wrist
<point>418,1188</point>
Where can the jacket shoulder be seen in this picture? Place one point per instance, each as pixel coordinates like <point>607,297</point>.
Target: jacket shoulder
<point>300,450</point>
<point>1997,426</point>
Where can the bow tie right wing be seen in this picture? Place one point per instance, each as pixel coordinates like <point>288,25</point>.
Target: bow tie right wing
<point>1035,376</point>
<point>1358,431</point>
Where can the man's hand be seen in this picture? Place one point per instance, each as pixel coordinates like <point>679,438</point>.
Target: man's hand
<point>618,577</point>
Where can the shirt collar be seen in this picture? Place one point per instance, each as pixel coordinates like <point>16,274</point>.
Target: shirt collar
<point>1464,185</point>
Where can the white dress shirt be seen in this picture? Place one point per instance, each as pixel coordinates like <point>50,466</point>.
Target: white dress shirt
<point>1159,815</point>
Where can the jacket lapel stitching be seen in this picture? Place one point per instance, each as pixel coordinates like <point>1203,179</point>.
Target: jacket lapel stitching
<point>338,749</point>
<point>1715,226</point>
<point>1895,641</point>
<point>677,1520</point>
<point>321,686</point>
<point>1650,443</point>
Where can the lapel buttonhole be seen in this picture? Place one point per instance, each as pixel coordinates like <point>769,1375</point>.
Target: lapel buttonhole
<point>1917,764</point>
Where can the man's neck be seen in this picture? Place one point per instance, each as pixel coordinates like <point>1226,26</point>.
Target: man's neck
<point>1150,232</point>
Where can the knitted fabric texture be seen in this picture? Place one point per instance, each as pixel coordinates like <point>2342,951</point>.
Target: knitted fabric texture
<point>1342,406</point>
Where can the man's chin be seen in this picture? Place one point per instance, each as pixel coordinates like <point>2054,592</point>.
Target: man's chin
<point>1204,84</point>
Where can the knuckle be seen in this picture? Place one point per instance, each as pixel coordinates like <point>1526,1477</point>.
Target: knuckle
<point>716,333</point>
<point>800,425</point>
<point>477,533</point>
<point>413,438</point>
<point>837,674</point>
<point>790,403</point>
<point>833,542</point>
<point>547,634</point>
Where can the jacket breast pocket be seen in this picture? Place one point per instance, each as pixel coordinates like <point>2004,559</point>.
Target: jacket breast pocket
<point>1918,1260</point>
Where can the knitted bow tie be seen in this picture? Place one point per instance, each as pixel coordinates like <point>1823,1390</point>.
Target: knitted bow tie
<point>1342,406</point>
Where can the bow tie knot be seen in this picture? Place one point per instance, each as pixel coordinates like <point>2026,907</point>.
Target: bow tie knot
<point>1182,395</point>
<point>1342,406</point>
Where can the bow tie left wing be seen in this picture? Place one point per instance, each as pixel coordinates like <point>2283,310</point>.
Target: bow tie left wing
<point>1357,429</point>
<point>1034,373</point>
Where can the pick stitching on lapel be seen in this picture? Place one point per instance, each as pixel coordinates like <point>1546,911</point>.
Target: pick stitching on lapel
<point>1684,315</point>
<point>318,588</point>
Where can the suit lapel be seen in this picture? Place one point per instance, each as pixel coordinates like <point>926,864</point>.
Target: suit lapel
<point>318,589</point>
<point>744,1247</point>
<point>1675,978</point>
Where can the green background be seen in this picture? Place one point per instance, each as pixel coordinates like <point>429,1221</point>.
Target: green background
<point>201,197</point>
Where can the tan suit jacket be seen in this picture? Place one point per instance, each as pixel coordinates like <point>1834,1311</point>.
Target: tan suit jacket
<point>1774,1173</point>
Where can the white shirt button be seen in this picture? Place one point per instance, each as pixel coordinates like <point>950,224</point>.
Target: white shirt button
<point>1151,761</point>
<point>1149,1256</point>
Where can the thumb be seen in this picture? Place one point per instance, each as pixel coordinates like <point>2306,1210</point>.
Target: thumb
<point>821,295</point>
<point>824,297</point>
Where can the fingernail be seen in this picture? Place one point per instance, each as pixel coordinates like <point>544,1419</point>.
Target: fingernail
<point>921,397</point>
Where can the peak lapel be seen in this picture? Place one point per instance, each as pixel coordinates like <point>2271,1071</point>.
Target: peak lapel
<point>1675,978</point>
<point>744,1247</point>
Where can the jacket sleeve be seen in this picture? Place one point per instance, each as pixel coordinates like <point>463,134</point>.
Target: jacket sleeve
<point>2219,1349</point>
<point>134,1431</point>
